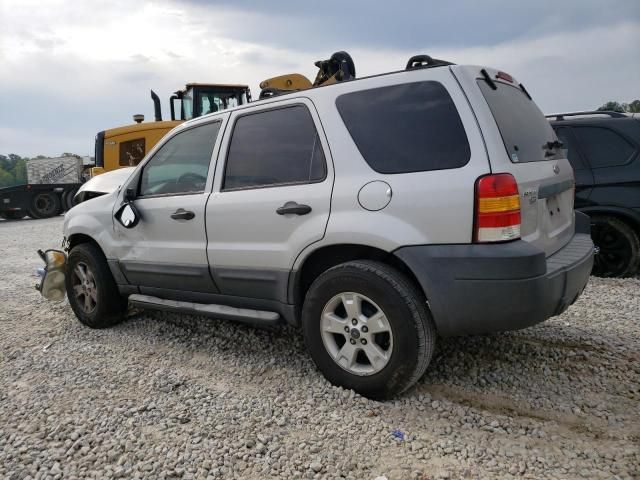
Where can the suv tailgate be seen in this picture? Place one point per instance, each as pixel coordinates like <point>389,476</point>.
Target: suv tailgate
<point>544,175</point>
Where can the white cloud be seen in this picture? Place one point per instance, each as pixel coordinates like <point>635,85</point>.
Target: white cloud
<point>73,69</point>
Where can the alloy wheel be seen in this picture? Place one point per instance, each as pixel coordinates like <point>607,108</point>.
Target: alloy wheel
<point>84,287</point>
<point>356,333</point>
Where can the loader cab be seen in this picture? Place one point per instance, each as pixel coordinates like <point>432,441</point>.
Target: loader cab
<point>199,99</point>
<point>126,146</point>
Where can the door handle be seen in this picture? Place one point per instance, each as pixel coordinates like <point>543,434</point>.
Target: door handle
<point>293,207</point>
<point>182,214</point>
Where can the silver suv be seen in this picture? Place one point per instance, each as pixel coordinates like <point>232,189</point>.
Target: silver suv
<point>376,214</point>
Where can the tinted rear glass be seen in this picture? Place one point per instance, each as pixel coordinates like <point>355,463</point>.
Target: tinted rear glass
<point>274,147</point>
<point>523,127</point>
<point>565,136</point>
<point>406,128</point>
<point>603,147</point>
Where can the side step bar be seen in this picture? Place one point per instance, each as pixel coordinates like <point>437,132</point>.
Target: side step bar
<point>224,312</point>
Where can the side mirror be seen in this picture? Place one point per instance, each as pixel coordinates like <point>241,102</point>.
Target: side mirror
<point>129,195</point>
<point>128,216</point>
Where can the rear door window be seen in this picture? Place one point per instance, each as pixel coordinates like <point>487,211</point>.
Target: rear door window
<point>523,127</point>
<point>569,144</point>
<point>274,147</point>
<point>603,147</point>
<point>412,127</point>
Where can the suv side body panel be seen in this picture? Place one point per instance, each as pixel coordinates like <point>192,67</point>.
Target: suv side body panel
<point>428,207</point>
<point>251,248</point>
<point>162,252</point>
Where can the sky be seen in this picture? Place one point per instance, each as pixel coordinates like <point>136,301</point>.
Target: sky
<point>72,68</point>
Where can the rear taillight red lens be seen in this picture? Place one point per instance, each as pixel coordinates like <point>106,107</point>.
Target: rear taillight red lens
<point>497,215</point>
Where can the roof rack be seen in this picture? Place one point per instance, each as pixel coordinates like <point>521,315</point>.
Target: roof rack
<point>560,116</point>
<point>339,68</point>
<point>421,61</point>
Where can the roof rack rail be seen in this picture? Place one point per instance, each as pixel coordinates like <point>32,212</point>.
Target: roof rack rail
<point>560,116</point>
<point>273,92</point>
<point>422,61</point>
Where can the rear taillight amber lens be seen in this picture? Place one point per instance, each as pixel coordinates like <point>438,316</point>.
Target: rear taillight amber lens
<point>497,215</point>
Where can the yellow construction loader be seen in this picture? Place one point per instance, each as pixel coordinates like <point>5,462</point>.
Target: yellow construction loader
<point>126,146</point>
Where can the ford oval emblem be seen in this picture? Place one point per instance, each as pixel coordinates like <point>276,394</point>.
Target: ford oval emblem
<point>556,169</point>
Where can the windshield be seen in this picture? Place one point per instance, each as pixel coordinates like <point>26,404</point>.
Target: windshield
<point>187,104</point>
<point>211,100</point>
<point>525,130</point>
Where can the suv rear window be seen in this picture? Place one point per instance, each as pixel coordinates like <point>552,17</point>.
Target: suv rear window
<point>412,127</point>
<point>523,127</point>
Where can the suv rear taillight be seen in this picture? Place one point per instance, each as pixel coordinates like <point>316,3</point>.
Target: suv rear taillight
<point>497,216</point>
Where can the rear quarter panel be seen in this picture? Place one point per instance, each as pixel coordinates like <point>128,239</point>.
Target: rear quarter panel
<point>426,207</point>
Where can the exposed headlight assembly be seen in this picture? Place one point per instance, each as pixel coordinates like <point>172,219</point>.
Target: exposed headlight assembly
<point>52,285</point>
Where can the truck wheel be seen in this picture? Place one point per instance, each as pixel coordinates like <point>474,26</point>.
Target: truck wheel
<point>617,247</point>
<point>14,215</point>
<point>68,201</point>
<point>45,205</point>
<point>368,328</point>
<point>91,289</point>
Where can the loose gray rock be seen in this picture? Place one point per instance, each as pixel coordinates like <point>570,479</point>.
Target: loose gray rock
<point>172,396</point>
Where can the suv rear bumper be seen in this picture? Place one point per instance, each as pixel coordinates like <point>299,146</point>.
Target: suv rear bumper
<point>475,289</point>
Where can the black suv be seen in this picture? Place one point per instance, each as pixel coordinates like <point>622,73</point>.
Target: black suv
<point>604,150</point>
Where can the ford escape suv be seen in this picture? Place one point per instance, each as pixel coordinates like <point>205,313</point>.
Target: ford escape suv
<point>375,214</point>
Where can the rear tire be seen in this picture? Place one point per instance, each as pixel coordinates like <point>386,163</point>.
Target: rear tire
<point>618,247</point>
<point>368,328</point>
<point>45,205</point>
<point>91,289</point>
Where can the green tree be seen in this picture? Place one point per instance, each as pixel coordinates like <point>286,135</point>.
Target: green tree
<point>612,107</point>
<point>13,170</point>
<point>6,179</point>
<point>634,107</point>
<point>20,171</point>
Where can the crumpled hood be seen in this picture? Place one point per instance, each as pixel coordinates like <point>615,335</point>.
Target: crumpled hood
<point>105,183</point>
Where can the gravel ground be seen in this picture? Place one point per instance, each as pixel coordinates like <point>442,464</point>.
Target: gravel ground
<point>168,396</point>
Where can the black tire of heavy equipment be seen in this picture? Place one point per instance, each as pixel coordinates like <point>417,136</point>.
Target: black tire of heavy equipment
<point>618,247</point>
<point>110,305</point>
<point>53,202</point>
<point>341,56</point>
<point>406,308</point>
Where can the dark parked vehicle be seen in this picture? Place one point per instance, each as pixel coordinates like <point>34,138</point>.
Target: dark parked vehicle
<point>604,150</point>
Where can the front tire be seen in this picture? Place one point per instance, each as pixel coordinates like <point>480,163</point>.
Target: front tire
<point>368,328</point>
<point>91,289</point>
<point>617,246</point>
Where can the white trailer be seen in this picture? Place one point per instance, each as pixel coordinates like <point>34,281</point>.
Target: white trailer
<point>51,185</point>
